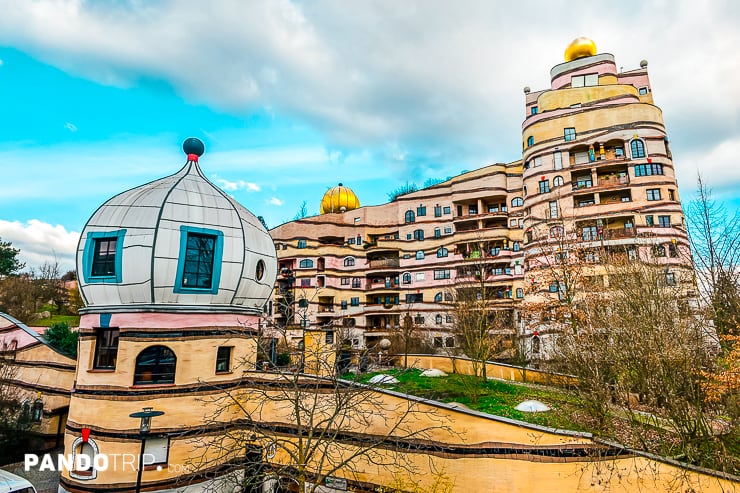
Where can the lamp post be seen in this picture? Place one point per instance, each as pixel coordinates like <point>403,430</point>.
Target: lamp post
<point>146,415</point>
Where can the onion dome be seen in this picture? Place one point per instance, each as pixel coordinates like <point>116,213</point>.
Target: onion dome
<point>175,244</point>
<point>339,199</point>
<point>579,48</point>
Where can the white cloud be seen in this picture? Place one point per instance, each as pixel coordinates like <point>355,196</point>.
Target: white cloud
<point>70,126</point>
<point>233,186</point>
<point>275,201</point>
<point>41,242</point>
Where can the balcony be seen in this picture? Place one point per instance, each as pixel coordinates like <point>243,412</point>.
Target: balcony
<point>613,181</point>
<point>326,309</point>
<point>382,263</point>
<point>616,233</point>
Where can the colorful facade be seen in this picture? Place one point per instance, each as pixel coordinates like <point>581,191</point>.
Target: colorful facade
<point>596,165</point>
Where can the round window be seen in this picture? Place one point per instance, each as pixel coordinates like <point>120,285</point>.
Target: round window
<point>260,270</point>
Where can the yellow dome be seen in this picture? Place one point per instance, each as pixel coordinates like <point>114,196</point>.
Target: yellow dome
<point>579,48</point>
<point>339,199</point>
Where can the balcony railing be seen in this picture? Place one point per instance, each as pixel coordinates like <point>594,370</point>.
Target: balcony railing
<point>384,262</point>
<point>614,181</point>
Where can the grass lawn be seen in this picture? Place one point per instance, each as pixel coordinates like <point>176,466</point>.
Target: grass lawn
<point>72,321</point>
<point>494,397</point>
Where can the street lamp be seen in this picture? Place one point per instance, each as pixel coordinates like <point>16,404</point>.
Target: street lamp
<point>145,427</point>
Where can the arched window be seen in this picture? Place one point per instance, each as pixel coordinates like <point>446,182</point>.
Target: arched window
<point>349,261</point>
<point>410,217</point>
<point>406,278</point>
<point>517,246</point>
<point>438,297</point>
<point>637,148</point>
<point>420,255</point>
<point>557,181</point>
<point>530,141</point>
<point>536,345</point>
<point>88,448</point>
<point>519,293</point>
<point>517,202</point>
<point>418,234</point>
<point>155,365</point>
<point>442,252</point>
<point>438,319</point>
<point>306,263</point>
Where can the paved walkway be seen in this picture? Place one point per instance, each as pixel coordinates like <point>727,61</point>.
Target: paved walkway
<point>44,481</point>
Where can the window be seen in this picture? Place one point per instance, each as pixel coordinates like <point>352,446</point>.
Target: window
<point>589,233</point>
<point>438,319</point>
<point>672,250</point>
<point>442,252</point>
<point>553,209</point>
<point>658,251</point>
<point>414,297</point>
<point>642,91</point>
<point>356,282</point>
<point>302,243</point>
<point>637,148</point>
<point>305,283</point>
<point>584,80</point>
<point>406,278</point>
<point>302,303</point>
<point>437,233</point>
<point>89,449</point>
<point>447,210</point>
<point>533,110</point>
<point>671,195</point>
<point>420,255</point>
<point>343,304</point>
<point>106,349</point>
<point>664,221</point>
<point>517,246</point>
<point>670,279</point>
<point>421,210</point>
<point>354,301</point>
<point>437,211</point>
<point>472,210</point>
<point>569,133</point>
<point>350,241</point>
<point>349,261</point>
<point>259,271</point>
<point>649,221</point>
<point>345,281</point>
<point>536,162</point>
<point>556,232</point>
<point>408,236</point>
<point>524,190</point>
<point>441,274</point>
<point>557,160</point>
<point>102,256</point>
<point>156,450</point>
<point>448,230</point>
<point>519,293</point>
<point>583,182</point>
<point>418,234</point>
<point>329,337</point>
<point>653,194</point>
<point>448,319</point>
<point>223,359</point>
<point>544,186</point>
<point>199,264</point>
<point>558,181</point>
<point>530,141</point>
<point>155,365</point>
<point>306,263</point>
<point>409,217</point>
<point>438,297</point>
<point>420,276</point>
<point>517,202</point>
<point>648,169</point>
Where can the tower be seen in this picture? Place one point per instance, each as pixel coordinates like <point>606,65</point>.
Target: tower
<point>174,275</point>
<point>598,170</point>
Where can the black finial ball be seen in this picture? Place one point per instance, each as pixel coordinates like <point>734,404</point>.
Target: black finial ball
<point>193,146</point>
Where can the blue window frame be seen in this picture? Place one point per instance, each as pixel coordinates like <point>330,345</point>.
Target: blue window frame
<point>102,256</point>
<point>199,262</point>
<point>530,141</point>
<point>637,148</point>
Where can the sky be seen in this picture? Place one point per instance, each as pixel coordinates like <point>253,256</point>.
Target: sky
<point>292,97</point>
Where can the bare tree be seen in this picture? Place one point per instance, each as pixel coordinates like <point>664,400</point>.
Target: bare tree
<point>302,211</point>
<point>15,419</point>
<point>305,430</point>
<point>715,243</point>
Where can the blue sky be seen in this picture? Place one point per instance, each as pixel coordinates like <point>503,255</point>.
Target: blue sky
<point>292,97</point>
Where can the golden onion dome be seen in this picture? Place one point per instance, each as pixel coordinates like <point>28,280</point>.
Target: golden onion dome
<point>339,199</point>
<point>579,48</point>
